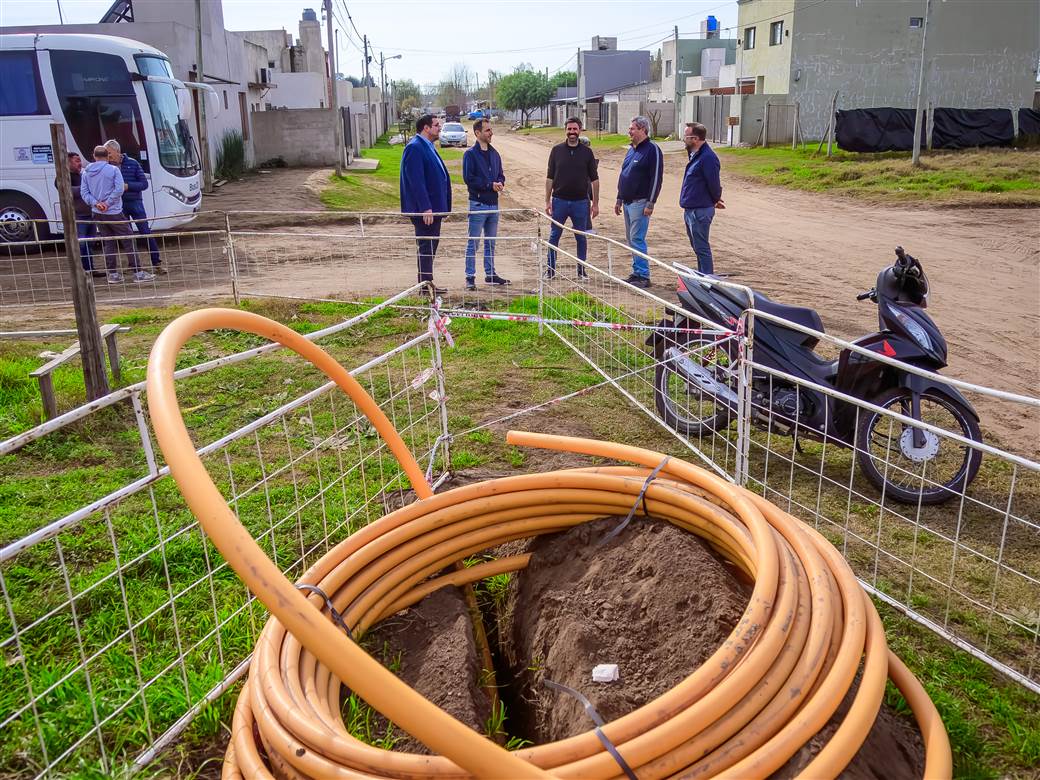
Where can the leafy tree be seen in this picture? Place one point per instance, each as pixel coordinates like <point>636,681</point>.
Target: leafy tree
<point>408,95</point>
<point>565,78</point>
<point>522,91</point>
<point>655,66</point>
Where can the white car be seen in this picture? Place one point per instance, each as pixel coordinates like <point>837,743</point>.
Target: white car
<point>454,134</point>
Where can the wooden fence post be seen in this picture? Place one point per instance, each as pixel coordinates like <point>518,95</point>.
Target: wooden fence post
<point>92,352</point>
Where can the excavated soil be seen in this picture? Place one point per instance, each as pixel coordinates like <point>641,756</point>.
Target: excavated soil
<point>433,643</point>
<point>654,599</point>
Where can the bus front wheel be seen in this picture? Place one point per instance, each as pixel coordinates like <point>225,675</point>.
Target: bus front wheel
<point>21,219</point>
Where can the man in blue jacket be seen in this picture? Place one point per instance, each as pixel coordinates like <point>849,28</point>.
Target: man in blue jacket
<point>425,192</point>
<point>482,172</point>
<point>133,202</point>
<point>639,186</point>
<point>102,189</point>
<point>701,193</point>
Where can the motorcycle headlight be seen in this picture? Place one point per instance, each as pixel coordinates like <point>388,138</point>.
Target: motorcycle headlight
<point>915,330</point>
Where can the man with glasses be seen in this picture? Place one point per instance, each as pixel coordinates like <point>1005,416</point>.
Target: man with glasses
<point>482,172</point>
<point>701,193</point>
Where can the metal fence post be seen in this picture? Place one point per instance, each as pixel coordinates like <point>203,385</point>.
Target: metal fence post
<point>541,275</point>
<point>441,400</point>
<point>232,260</point>
<point>745,358</point>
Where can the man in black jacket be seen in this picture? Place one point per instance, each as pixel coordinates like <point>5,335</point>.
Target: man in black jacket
<point>571,176</point>
<point>482,172</point>
<point>85,227</point>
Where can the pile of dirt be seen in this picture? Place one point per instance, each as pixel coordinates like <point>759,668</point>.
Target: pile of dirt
<point>432,643</point>
<point>654,599</point>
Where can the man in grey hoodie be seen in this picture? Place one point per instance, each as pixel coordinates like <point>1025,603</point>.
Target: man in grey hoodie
<point>102,189</point>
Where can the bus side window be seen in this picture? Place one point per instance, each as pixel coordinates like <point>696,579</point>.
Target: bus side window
<point>22,94</point>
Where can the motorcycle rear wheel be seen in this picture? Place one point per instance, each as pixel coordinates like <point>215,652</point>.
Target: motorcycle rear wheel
<point>940,470</point>
<point>687,409</point>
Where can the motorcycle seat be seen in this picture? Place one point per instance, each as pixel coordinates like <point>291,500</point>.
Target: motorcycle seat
<point>800,315</point>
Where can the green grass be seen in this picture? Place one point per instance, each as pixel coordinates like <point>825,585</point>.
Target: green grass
<point>379,189</point>
<point>1005,177</point>
<point>493,363</point>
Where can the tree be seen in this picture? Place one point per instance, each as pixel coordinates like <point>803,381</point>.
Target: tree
<point>655,67</point>
<point>408,96</point>
<point>522,91</point>
<point>565,78</point>
<point>454,87</point>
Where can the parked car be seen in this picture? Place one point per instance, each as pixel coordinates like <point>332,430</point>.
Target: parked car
<point>479,113</point>
<point>454,134</point>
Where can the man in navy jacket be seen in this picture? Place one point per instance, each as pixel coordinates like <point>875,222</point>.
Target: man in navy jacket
<point>133,202</point>
<point>701,193</point>
<point>425,192</point>
<point>639,186</point>
<point>482,172</point>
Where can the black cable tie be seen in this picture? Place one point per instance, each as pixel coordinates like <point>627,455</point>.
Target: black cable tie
<point>337,618</point>
<point>598,721</point>
<point>641,498</point>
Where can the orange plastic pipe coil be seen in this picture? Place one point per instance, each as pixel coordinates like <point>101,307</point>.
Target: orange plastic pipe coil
<point>806,633</point>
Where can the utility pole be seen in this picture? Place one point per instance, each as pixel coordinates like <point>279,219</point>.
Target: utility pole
<point>337,121</point>
<point>675,75</point>
<point>916,156</point>
<point>207,168</point>
<point>90,348</point>
<point>368,94</point>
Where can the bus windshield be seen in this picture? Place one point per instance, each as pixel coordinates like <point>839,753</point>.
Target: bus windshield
<point>176,147</point>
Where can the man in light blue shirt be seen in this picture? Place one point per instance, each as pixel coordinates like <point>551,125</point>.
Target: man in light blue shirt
<point>102,189</point>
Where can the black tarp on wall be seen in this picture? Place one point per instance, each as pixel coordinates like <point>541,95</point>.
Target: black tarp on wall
<point>1028,123</point>
<point>964,128</point>
<point>875,129</point>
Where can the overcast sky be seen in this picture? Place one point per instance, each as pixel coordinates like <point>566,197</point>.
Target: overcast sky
<point>433,34</point>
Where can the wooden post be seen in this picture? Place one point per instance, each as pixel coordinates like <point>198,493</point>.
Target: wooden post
<point>930,124</point>
<point>830,125</point>
<point>92,351</point>
<point>765,126</point>
<point>794,128</point>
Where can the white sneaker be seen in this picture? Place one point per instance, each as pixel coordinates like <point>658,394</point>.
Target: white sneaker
<point>143,276</point>
<point>115,278</point>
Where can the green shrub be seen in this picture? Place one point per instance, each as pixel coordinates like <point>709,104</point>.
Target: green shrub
<point>231,156</point>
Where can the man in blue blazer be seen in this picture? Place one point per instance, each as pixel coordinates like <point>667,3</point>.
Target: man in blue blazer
<point>425,192</point>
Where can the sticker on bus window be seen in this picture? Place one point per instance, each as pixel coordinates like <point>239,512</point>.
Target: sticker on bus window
<point>21,154</point>
<point>41,154</point>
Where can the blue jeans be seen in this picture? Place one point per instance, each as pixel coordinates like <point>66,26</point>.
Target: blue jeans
<point>698,223</point>
<point>482,219</point>
<point>578,211</point>
<point>85,230</point>
<point>134,209</point>
<point>636,224</point>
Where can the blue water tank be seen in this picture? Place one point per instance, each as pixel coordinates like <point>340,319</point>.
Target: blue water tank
<point>309,15</point>
<point>713,24</point>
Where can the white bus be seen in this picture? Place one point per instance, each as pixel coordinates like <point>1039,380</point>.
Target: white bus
<point>99,87</point>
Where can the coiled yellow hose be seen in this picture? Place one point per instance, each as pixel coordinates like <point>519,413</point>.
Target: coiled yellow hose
<point>773,684</point>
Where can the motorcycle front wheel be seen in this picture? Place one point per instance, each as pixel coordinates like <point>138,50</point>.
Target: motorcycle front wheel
<point>936,471</point>
<point>685,407</point>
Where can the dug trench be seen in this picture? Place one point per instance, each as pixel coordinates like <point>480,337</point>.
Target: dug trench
<point>653,599</point>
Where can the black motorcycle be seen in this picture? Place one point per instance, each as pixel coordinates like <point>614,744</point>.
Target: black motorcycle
<point>696,387</point>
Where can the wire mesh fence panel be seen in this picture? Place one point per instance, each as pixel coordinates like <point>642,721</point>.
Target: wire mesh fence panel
<point>644,344</point>
<point>180,265</point>
<point>120,619</point>
<point>366,255</point>
<point>966,567</point>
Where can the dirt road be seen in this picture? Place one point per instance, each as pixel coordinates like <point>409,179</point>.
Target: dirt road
<point>812,250</point>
